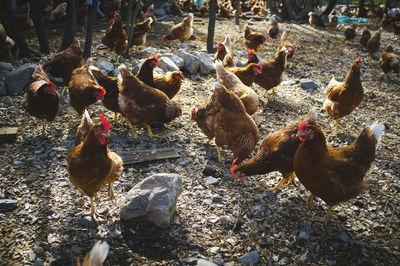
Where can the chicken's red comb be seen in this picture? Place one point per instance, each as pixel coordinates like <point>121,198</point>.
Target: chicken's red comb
<point>250,52</point>
<point>359,60</point>
<point>53,86</point>
<point>103,91</point>
<point>219,43</point>
<point>104,122</point>
<point>155,58</point>
<point>303,125</point>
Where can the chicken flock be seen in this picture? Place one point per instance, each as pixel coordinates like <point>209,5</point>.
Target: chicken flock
<point>333,174</point>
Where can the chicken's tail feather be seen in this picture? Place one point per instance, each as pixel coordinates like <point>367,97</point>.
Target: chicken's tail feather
<point>377,129</point>
<point>97,255</point>
<point>313,113</point>
<point>227,42</point>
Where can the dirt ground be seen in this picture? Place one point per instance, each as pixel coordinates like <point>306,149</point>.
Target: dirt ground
<point>220,222</point>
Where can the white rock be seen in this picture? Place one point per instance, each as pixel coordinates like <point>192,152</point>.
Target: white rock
<point>192,63</point>
<point>154,199</point>
<point>177,60</point>
<point>106,67</point>
<point>150,50</point>
<point>167,64</point>
<point>18,80</point>
<point>206,63</point>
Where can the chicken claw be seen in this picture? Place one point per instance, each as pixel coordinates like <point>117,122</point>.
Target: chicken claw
<point>151,135</point>
<point>219,154</point>
<point>110,192</point>
<point>132,127</point>
<point>326,218</point>
<point>93,211</point>
<point>310,200</point>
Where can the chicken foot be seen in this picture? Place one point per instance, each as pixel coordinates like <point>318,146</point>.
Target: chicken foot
<point>151,135</point>
<point>93,211</point>
<point>310,200</point>
<point>132,127</point>
<point>110,192</point>
<point>285,181</point>
<point>326,218</point>
<point>219,154</point>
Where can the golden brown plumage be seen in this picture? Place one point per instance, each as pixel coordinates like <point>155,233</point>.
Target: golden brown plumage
<point>149,13</point>
<point>272,71</point>
<point>286,43</point>
<point>83,90</point>
<point>365,36</point>
<point>115,35</point>
<point>333,21</point>
<point>389,61</point>
<point>276,152</point>
<point>140,31</point>
<point>247,74</point>
<point>140,103</point>
<point>253,39</point>
<point>63,63</point>
<point>273,30</point>
<point>335,174</point>
<point>224,117</point>
<point>91,164</point>
<point>374,43</point>
<point>344,97</point>
<point>350,32</point>
<point>59,14</point>
<point>6,43</point>
<point>110,7</point>
<point>170,83</point>
<point>181,31</point>
<point>315,20</point>
<point>231,82</point>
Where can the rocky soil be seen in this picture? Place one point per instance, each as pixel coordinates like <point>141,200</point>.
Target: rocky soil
<point>218,218</point>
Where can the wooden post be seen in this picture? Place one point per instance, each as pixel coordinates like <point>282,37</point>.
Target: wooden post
<point>89,29</point>
<point>237,12</point>
<point>132,26</point>
<point>37,21</point>
<point>70,25</point>
<point>211,27</point>
<point>329,8</point>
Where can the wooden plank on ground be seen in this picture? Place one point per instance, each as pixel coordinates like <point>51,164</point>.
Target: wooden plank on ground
<point>132,157</point>
<point>8,134</point>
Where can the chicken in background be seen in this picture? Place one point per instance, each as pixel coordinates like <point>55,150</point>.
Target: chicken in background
<point>6,43</point>
<point>273,30</point>
<point>82,14</point>
<point>247,74</point>
<point>140,103</point>
<point>181,31</point>
<point>224,11</point>
<point>333,21</point>
<point>59,14</point>
<point>204,9</point>
<point>334,174</point>
<point>109,7</point>
<point>140,32</point>
<point>365,36</point>
<point>272,71</point>
<point>91,164</point>
<point>276,153</point>
<point>41,98</point>
<point>223,117</point>
<point>110,85</point>
<point>22,17</point>
<point>83,90</point>
<point>115,35</point>
<point>344,97</point>
<point>223,48</point>
<point>389,61</point>
<point>96,256</point>
<point>252,39</point>
<point>350,32</point>
<point>252,58</point>
<point>374,43</point>
<point>63,63</point>
<point>385,21</point>
<point>231,82</point>
<point>286,43</point>
<point>145,73</point>
<point>149,13</point>
<point>315,20</point>
<point>175,8</point>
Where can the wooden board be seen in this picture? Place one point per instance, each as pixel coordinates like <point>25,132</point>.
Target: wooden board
<point>132,157</point>
<point>8,134</point>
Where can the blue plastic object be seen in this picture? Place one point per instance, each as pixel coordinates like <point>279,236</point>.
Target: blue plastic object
<point>98,9</point>
<point>345,19</point>
<point>199,2</point>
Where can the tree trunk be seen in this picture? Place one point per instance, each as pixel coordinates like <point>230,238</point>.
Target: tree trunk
<point>70,25</point>
<point>211,26</point>
<point>132,26</point>
<point>15,30</point>
<point>329,8</point>
<point>37,21</point>
<point>237,12</point>
<point>291,12</point>
<point>89,29</point>
<point>129,18</point>
<point>272,7</point>
<point>361,10</point>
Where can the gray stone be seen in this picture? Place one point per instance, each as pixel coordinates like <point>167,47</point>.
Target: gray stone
<point>159,71</point>
<point>288,82</point>
<point>149,50</point>
<point>115,72</point>
<point>251,258</point>
<point>106,67</point>
<point>239,63</point>
<point>8,204</point>
<point>192,63</point>
<point>308,84</point>
<point>3,90</point>
<point>3,74</point>
<point>303,238</point>
<point>154,199</point>
<point>159,12</point>
<point>87,221</point>
<point>241,54</point>
<point>176,59</point>
<point>206,63</point>
<point>211,180</point>
<point>6,66</point>
<point>18,80</point>
<point>344,238</point>
<point>167,64</point>
<point>203,262</point>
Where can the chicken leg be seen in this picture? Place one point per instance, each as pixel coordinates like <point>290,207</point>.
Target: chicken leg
<point>219,154</point>
<point>132,127</point>
<point>93,211</point>
<point>286,180</point>
<point>310,200</point>
<point>151,135</point>
<point>110,191</point>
